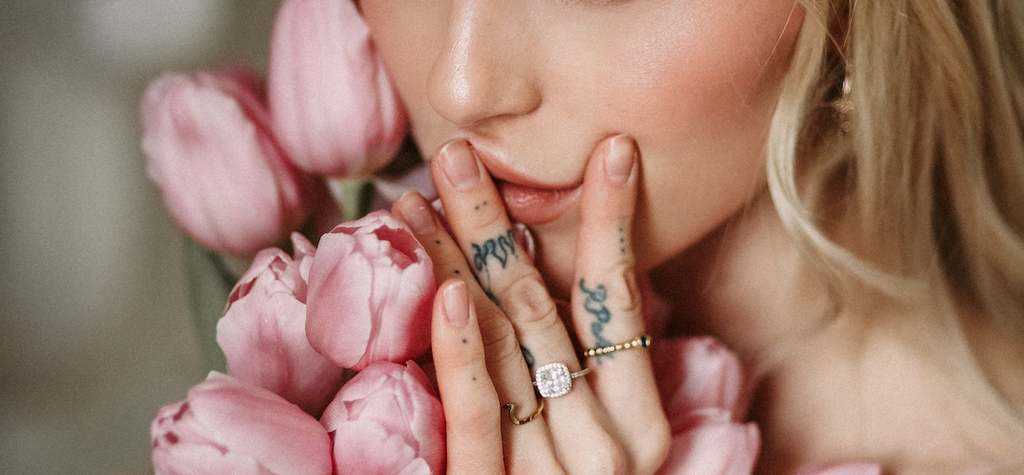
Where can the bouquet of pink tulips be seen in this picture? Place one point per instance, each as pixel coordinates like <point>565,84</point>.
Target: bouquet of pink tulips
<point>326,350</point>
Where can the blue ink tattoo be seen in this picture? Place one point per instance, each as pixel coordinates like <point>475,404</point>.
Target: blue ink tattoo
<point>501,248</point>
<point>530,361</point>
<point>594,304</point>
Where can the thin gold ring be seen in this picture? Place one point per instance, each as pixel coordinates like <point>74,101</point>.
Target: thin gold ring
<point>513,407</point>
<point>641,341</point>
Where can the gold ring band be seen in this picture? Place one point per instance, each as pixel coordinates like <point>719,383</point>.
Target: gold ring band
<point>512,407</point>
<point>641,341</point>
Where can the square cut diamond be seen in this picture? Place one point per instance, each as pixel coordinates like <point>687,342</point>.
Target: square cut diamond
<point>553,380</point>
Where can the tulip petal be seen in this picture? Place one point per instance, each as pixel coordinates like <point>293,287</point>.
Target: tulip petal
<point>370,293</point>
<point>861,468</point>
<point>263,335</point>
<point>222,173</point>
<point>332,104</point>
<point>388,405</point>
<point>713,446</point>
<point>228,426</point>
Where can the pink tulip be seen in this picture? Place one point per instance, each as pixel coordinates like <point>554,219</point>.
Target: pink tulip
<point>228,426</point>
<point>223,176</point>
<point>263,331</point>
<point>387,420</point>
<point>701,384</point>
<point>712,444</point>
<point>332,104</point>
<point>371,288</point>
<point>862,468</point>
<point>697,373</point>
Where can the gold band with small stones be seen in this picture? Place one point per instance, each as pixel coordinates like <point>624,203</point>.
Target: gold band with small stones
<point>641,341</point>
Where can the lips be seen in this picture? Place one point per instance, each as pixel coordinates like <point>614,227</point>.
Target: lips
<point>527,200</point>
<point>532,205</point>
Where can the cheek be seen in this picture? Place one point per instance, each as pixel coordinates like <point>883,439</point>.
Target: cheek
<point>709,66</point>
<point>700,107</point>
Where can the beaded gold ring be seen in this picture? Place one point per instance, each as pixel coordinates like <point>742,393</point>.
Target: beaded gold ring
<point>641,341</point>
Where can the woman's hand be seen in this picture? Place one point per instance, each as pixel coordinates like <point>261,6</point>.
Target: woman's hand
<point>486,329</point>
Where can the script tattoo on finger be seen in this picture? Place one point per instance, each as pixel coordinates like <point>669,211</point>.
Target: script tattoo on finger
<point>530,361</point>
<point>594,304</point>
<point>500,249</point>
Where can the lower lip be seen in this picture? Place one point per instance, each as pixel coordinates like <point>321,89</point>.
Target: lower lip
<point>530,206</point>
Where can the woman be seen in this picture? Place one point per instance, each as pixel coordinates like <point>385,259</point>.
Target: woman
<point>835,189</point>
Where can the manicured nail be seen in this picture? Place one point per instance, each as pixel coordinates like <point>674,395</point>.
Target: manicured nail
<point>525,239</point>
<point>456,304</point>
<point>618,161</point>
<point>414,210</point>
<point>459,165</point>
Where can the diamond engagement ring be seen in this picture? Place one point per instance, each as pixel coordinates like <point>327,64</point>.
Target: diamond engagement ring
<point>554,379</point>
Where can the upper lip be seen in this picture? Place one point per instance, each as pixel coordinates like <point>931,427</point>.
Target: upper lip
<point>501,171</point>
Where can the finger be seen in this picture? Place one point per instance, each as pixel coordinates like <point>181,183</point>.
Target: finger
<point>527,448</point>
<point>477,217</point>
<point>484,233</point>
<point>606,303</point>
<point>467,395</point>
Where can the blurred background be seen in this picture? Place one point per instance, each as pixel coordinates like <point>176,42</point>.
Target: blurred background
<point>95,329</point>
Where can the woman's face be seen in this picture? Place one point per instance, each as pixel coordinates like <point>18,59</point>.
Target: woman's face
<point>535,85</point>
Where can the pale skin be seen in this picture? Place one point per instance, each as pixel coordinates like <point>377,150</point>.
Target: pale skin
<point>558,91</point>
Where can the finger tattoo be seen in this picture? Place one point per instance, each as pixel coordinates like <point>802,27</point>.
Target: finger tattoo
<point>528,356</point>
<point>594,304</point>
<point>501,249</point>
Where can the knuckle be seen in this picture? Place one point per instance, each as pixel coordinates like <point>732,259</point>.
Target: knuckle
<point>620,288</point>
<point>652,448</point>
<point>499,340</point>
<point>609,458</point>
<point>475,414</point>
<point>528,302</point>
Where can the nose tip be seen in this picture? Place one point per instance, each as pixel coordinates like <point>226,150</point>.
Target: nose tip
<point>480,72</point>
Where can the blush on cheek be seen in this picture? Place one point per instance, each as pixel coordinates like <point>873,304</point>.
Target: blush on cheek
<point>708,66</point>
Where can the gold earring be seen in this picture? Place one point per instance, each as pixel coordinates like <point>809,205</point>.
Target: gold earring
<point>843,106</point>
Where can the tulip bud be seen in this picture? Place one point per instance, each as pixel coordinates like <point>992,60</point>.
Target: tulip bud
<point>371,288</point>
<point>332,105</point>
<point>227,426</point>
<point>701,385</point>
<point>855,468</point>
<point>697,373</point>
<point>713,444</point>
<point>387,420</point>
<point>223,176</point>
<point>263,331</point>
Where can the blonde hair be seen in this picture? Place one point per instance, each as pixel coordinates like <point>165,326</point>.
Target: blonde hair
<point>925,193</point>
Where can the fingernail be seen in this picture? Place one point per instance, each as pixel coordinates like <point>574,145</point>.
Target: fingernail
<point>618,162</point>
<point>456,304</point>
<point>459,165</point>
<point>414,210</point>
<point>525,239</point>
